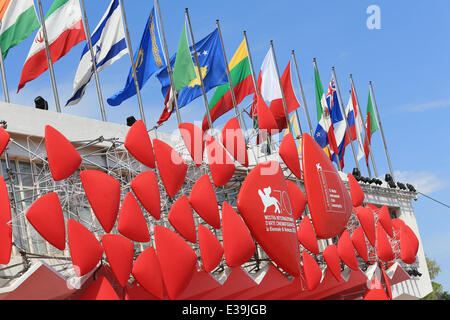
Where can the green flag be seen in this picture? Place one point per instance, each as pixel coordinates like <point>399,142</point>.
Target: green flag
<point>183,70</point>
<point>371,123</point>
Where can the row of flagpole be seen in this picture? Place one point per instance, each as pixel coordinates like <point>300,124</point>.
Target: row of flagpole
<point>169,69</point>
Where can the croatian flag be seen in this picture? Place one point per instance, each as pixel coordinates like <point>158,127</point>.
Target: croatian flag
<point>355,123</point>
<point>338,122</point>
<point>108,43</point>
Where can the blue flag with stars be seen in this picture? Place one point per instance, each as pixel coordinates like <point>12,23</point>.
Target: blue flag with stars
<point>212,69</point>
<point>148,59</point>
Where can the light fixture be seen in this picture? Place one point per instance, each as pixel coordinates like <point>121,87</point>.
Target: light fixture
<point>131,120</point>
<point>40,103</point>
<point>411,187</point>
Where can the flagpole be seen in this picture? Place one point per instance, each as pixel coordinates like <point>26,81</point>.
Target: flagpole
<point>365,132</point>
<point>5,84</point>
<point>303,94</point>
<point>283,98</point>
<point>337,154</point>
<point>169,67</point>
<point>133,67</point>
<point>382,133</point>
<point>49,60</point>
<point>94,62</point>
<point>251,65</point>
<point>199,71</point>
<point>345,117</point>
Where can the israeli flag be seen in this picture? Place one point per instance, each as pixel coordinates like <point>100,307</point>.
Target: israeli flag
<point>108,43</point>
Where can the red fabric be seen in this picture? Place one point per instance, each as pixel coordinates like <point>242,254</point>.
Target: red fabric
<point>276,106</point>
<point>169,104</point>
<point>37,64</point>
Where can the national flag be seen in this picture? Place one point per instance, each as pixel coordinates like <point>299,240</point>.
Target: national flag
<point>108,43</point>
<point>148,59</point>
<point>297,133</point>
<point>241,77</point>
<point>212,68</point>
<point>65,29</point>
<point>324,134</point>
<point>355,122</point>
<point>276,106</point>
<point>183,69</point>
<point>169,105</point>
<point>18,21</point>
<point>371,127</point>
<point>338,123</point>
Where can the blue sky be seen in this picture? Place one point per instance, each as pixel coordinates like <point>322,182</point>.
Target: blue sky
<point>407,59</point>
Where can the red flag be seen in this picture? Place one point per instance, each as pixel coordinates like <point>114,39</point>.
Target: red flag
<point>276,106</point>
<point>169,104</point>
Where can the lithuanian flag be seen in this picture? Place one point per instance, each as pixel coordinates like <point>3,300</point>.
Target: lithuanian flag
<point>241,77</point>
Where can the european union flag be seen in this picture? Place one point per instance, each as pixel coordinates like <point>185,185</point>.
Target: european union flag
<point>147,60</point>
<point>212,69</point>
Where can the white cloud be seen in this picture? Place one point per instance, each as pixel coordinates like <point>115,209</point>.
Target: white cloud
<point>423,181</point>
<point>444,103</point>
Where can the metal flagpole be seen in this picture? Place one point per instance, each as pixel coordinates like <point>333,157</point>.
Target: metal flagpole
<point>133,67</point>
<point>365,132</point>
<point>303,95</point>
<point>233,96</point>
<point>169,67</point>
<point>5,84</point>
<point>345,117</point>
<point>49,60</point>
<point>94,62</point>
<point>382,133</point>
<point>286,112</point>
<point>337,155</point>
<point>251,65</point>
<point>199,71</point>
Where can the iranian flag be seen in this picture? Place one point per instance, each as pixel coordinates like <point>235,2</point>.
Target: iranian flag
<point>241,77</point>
<point>65,29</point>
<point>371,127</point>
<point>18,21</point>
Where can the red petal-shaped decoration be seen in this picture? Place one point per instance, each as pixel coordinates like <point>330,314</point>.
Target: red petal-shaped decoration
<point>177,260</point>
<point>331,257</point>
<point>367,220</point>
<point>266,121</point>
<point>234,141</point>
<point>385,218</point>
<point>138,143</point>
<point>85,250</point>
<point>409,244</point>
<point>171,166</point>
<point>203,199</point>
<point>220,163</point>
<point>384,249</point>
<point>147,271</point>
<point>356,191</point>
<point>288,152</point>
<point>132,223</point>
<point>346,251</point>
<point>313,273</point>
<point>193,140</point>
<point>375,294</point>
<point>307,236</point>
<point>4,139</point>
<point>210,248</point>
<point>46,216</point>
<point>238,244</point>
<point>100,289</point>
<point>145,187</point>
<point>182,219</point>
<point>359,242</point>
<point>63,158</point>
<point>5,224</point>
<point>120,253</point>
<point>103,193</point>
<point>328,199</point>
<point>263,202</point>
<point>298,199</point>
<point>397,224</point>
